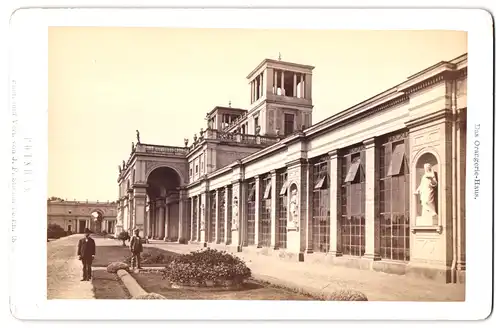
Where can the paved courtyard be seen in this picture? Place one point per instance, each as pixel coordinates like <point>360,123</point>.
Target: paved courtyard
<point>64,273</point>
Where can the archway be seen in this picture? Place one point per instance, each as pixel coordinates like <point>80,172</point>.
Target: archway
<point>163,210</point>
<point>97,218</point>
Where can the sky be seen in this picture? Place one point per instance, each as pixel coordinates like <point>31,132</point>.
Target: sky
<point>106,82</point>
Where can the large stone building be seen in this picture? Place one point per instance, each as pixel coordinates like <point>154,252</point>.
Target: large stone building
<point>379,186</point>
<point>75,215</point>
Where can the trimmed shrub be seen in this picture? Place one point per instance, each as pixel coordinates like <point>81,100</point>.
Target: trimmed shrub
<point>149,258</point>
<point>208,266</point>
<point>123,236</point>
<point>55,231</point>
<point>149,296</point>
<point>183,240</point>
<point>345,295</point>
<point>113,267</point>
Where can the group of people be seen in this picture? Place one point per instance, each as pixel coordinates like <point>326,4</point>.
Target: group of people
<point>87,250</point>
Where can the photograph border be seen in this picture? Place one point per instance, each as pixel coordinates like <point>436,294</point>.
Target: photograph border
<point>29,99</point>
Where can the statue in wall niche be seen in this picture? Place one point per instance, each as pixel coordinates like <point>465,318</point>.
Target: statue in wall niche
<point>257,130</point>
<point>294,208</point>
<point>138,136</point>
<point>427,191</point>
<point>234,223</point>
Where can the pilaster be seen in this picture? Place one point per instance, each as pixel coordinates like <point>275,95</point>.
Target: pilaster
<point>236,217</point>
<point>203,216</point>
<point>372,224</point>
<point>227,208</point>
<point>335,204</point>
<point>183,217</point>
<point>160,223</point>
<point>139,208</point>
<point>274,210</point>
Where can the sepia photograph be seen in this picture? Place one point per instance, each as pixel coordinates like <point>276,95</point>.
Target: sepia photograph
<point>256,164</point>
<point>251,164</point>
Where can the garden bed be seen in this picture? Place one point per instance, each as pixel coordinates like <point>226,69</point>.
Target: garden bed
<point>118,253</point>
<point>153,282</point>
<point>108,286</point>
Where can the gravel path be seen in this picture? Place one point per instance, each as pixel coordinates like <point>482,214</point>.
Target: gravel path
<point>64,271</point>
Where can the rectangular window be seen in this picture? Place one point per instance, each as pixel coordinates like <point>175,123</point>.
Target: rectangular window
<point>256,124</point>
<point>397,158</point>
<point>353,173</point>
<point>289,124</point>
<point>353,203</point>
<point>196,169</point>
<point>394,198</point>
<point>265,215</point>
<point>267,191</point>
<point>281,182</point>
<point>321,207</point>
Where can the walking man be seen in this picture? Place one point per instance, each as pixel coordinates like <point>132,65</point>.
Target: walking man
<point>136,249</point>
<point>86,254</point>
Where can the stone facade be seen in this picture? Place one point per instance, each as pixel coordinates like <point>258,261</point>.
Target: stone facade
<point>75,216</point>
<point>347,190</point>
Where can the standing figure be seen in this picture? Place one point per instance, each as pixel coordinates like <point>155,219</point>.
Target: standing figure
<point>138,135</point>
<point>86,254</point>
<point>136,249</point>
<point>427,191</point>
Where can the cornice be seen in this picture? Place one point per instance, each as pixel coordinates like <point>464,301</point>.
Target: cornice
<point>443,114</point>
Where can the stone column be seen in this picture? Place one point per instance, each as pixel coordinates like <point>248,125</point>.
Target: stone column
<point>251,91</point>
<point>372,231</point>
<point>261,84</point>
<point>160,204</point>
<point>282,83</point>
<point>274,210</point>
<point>119,218</point>
<point>335,204</point>
<point>183,217</point>
<point>294,84</point>
<point>227,208</point>
<point>308,86</point>
<point>258,197</point>
<point>217,204</point>
<point>302,89</point>
<point>166,235</point>
<point>203,216</point>
<point>192,218</point>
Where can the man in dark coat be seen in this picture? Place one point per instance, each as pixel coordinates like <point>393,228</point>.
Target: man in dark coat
<point>86,254</point>
<point>136,249</point>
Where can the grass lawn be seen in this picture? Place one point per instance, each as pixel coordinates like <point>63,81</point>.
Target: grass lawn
<point>106,254</point>
<point>108,286</point>
<point>153,283</point>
